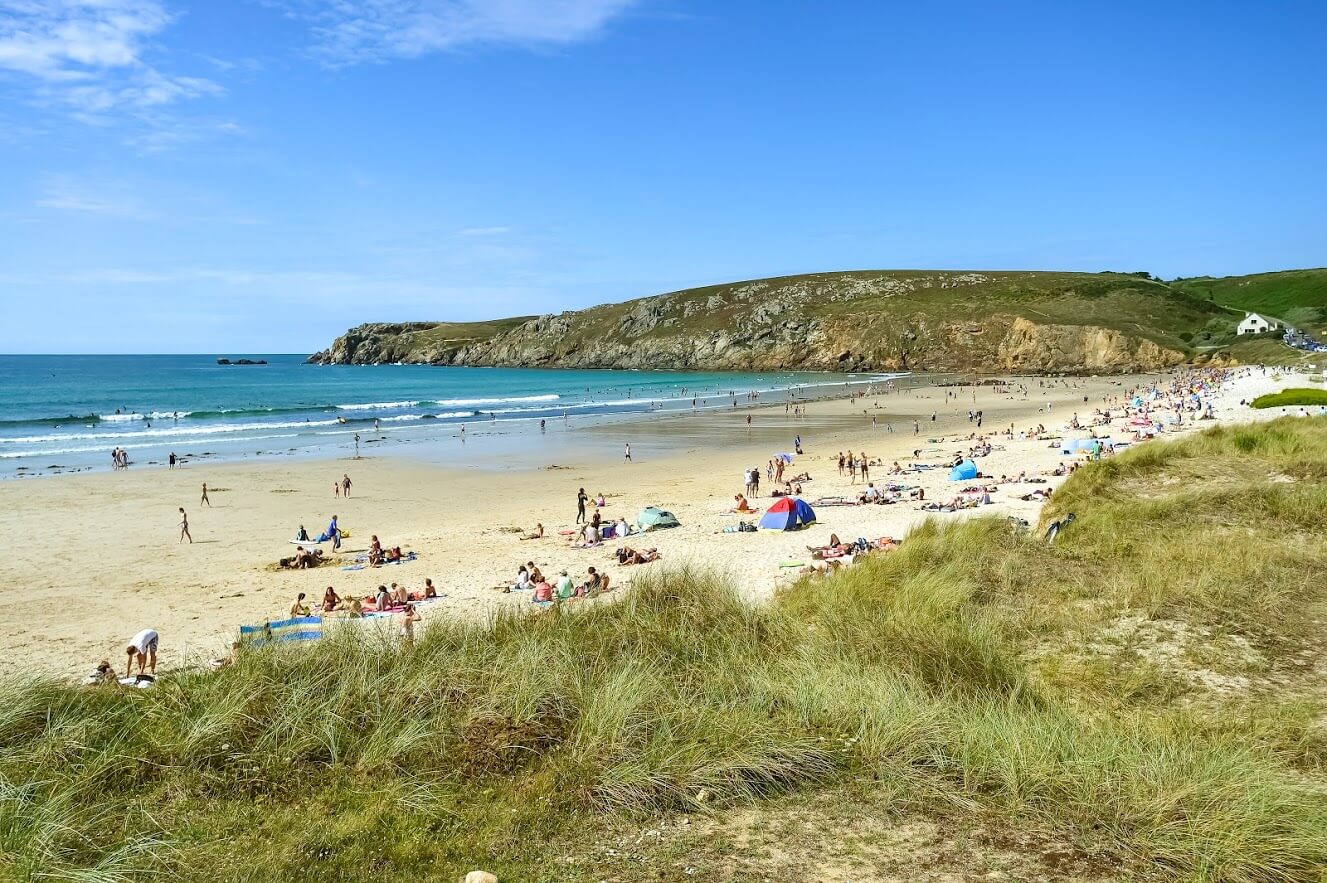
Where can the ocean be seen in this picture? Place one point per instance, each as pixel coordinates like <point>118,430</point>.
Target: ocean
<point>66,413</point>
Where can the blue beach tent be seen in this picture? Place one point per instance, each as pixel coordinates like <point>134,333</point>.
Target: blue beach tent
<point>964,471</point>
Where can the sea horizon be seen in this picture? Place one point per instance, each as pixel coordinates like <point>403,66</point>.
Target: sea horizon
<point>61,414</point>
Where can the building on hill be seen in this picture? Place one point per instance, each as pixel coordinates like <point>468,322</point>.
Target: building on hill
<point>1255,324</point>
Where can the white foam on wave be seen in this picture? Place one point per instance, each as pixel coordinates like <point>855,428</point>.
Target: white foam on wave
<point>551,397</point>
<point>580,406</point>
<point>377,406</point>
<point>173,432</point>
<point>50,452</point>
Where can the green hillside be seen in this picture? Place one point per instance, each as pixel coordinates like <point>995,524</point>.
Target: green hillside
<point>1141,700</point>
<point>856,320</point>
<point>1298,297</point>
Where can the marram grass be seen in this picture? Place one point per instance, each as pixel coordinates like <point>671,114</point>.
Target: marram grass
<point>970,673</point>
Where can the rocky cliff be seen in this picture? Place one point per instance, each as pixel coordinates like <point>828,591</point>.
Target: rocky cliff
<point>858,321</point>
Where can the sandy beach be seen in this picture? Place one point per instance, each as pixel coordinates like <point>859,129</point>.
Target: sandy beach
<point>96,557</point>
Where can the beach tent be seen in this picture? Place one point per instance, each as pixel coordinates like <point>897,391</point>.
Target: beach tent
<point>654,518</point>
<point>963,471</point>
<point>787,513</point>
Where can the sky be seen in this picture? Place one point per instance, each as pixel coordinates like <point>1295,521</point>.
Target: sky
<point>254,176</point>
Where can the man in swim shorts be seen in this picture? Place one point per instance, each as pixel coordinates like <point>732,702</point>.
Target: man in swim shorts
<point>142,646</point>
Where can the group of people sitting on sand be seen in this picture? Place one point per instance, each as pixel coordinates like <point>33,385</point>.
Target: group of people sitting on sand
<point>889,494</point>
<point>595,531</point>
<point>386,600</point>
<point>379,556</point>
<point>529,578</point>
<point>303,558</point>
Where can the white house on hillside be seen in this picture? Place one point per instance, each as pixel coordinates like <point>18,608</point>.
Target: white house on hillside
<point>1255,324</point>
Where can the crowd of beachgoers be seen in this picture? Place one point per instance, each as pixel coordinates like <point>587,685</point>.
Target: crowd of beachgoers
<point>976,466</point>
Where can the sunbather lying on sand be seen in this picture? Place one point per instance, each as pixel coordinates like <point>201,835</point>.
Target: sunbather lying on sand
<point>628,555</point>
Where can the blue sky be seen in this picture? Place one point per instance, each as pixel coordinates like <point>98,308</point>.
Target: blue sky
<point>257,175</point>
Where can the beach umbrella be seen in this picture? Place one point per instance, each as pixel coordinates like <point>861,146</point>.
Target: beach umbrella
<point>787,458</point>
<point>787,513</point>
<point>964,471</point>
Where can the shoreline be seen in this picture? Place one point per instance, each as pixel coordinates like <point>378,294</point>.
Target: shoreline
<point>336,429</point>
<point>108,540</point>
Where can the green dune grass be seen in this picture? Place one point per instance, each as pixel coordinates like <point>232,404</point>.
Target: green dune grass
<point>1291,397</point>
<point>1137,690</point>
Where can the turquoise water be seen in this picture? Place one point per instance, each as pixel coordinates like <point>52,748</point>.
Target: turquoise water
<point>66,413</point>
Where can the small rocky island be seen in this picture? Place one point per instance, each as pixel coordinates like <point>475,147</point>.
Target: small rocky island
<point>242,362</point>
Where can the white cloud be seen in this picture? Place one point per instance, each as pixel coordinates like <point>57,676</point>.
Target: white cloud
<point>351,31</point>
<point>89,55</point>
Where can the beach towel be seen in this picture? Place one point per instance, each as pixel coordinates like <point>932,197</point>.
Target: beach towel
<point>299,628</point>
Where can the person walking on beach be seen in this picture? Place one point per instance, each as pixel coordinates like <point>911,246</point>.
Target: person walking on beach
<point>142,648</point>
<point>336,489</point>
<point>205,499</point>
<point>345,485</point>
<point>628,452</point>
<point>581,497</point>
<point>184,527</point>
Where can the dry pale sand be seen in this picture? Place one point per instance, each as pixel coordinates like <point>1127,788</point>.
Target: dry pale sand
<point>94,558</point>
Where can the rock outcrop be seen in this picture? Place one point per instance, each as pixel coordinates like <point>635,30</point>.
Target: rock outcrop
<point>995,322</point>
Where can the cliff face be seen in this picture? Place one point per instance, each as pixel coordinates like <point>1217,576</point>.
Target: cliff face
<point>839,322</point>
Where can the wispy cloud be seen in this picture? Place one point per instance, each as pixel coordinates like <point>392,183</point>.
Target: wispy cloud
<point>483,231</point>
<point>90,55</point>
<point>65,193</point>
<point>354,31</point>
